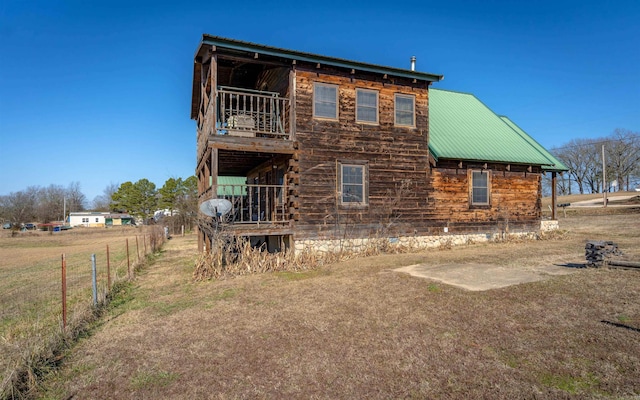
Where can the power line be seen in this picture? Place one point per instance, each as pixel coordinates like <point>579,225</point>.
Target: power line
<point>595,142</point>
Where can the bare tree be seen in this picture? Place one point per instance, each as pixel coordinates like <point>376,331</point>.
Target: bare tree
<point>623,155</point>
<point>103,201</point>
<point>20,207</point>
<point>75,198</point>
<point>50,202</point>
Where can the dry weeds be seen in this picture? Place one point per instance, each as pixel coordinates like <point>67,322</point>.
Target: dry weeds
<point>357,330</point>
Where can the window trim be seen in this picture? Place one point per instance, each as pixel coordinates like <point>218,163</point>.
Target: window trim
<point>395,109</point>
<point>337,104</point>
<point>472,202</point>
<point>377,93</point>
<point>365,182</point>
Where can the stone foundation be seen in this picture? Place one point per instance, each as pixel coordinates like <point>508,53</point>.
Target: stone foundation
<point>405,243</point>
<point>549,225</point>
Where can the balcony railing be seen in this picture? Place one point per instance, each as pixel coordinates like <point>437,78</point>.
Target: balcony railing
<point>252,113</point>
<point>254,204</point>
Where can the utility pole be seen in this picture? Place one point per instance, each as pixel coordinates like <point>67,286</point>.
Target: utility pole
<point>604,180</point>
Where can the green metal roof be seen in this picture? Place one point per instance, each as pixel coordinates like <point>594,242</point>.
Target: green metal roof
<point>231,185</point>
<point>461,127</point>
<point>314,58</point>
<point>557,166</point>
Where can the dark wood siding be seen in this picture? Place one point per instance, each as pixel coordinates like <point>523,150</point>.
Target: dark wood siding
<point>514,198</point>
<point>397,159</point>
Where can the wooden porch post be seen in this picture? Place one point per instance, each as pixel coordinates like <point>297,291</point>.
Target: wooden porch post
<point>292,103</point>
<point>214,173</point>
<point>554,202</point>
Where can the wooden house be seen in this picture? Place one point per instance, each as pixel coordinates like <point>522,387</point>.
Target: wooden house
<point>333,150</point>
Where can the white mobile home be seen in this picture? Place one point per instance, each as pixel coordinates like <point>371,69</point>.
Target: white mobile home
<point>88,219</point>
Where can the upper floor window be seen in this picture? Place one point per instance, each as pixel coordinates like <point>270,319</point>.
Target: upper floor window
<point>405,110</point>
<point>480,188</point>
<point>366,106</point>
<point>353,178</point>
<point>325,101</point>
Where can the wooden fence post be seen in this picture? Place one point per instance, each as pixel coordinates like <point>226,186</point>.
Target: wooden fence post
<point>64,292</point>
<point>128,261</point>
<point>137,248</point>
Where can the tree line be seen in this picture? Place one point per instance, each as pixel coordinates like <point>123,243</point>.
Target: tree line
<point>177,200</point>
<point>41,204</point>
<point>583,158</point>
<point>141,199</point>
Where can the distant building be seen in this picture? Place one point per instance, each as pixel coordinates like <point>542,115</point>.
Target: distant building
<point>97,219</point>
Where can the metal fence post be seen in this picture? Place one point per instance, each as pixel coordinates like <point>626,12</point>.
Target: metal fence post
<point>94,279</point>
<point>108,271</point>
<point>64,292</point>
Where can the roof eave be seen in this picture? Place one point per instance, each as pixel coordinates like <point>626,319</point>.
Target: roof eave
<point>315,58</point>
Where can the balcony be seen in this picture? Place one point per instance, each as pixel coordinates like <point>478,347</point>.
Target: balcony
<point>253,206</point>
<point>252,113</point>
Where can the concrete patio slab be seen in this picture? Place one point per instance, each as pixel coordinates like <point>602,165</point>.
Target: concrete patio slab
<point>477,277</point>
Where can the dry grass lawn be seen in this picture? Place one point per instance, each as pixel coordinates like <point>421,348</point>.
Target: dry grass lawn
<point>358,330</point>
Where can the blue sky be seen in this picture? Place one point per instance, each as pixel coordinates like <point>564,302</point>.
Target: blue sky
<point>99,92</point>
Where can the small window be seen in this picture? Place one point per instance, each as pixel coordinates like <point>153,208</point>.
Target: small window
<point>480,188</point>
<point>97,220</point>
<point>325,101</point>
<point>353,184</point>
<point>367,106</point>
<point>405,110</point>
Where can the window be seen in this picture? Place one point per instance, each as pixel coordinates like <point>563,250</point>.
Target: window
<point>405,110</point>
<point>85,220</point>
<point>480,188</point>
<point>97,219</point>
<point>366,106</point>
<point>325,101</point>
<point>353,183</point>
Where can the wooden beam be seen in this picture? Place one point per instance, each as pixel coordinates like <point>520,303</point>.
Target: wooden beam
<point>214,172</point>
<point>292,102</point>
<point>252,144</point>
<point>554,201</point>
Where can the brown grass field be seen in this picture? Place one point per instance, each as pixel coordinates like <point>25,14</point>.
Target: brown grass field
<point>30,290</point>
<point>357,329</point>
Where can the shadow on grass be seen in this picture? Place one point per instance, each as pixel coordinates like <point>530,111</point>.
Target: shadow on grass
<point>572,265</point>
<point>619,325</point>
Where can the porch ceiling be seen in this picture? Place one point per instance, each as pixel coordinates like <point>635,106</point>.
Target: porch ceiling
<point>239,163</point>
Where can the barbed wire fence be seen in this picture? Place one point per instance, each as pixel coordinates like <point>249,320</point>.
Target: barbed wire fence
<point>50,300</point>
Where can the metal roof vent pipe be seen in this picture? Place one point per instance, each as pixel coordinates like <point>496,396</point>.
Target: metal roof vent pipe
<point>413,63</point>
